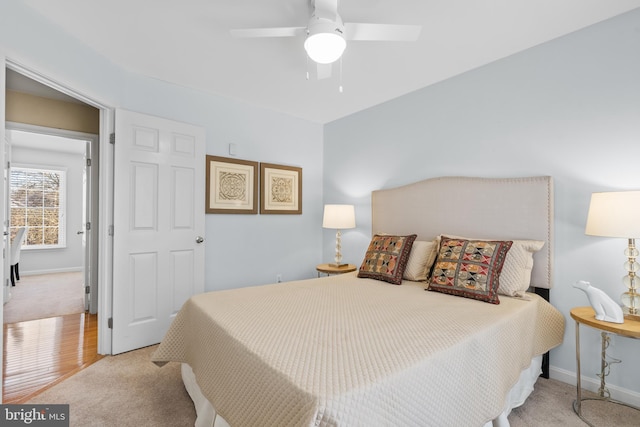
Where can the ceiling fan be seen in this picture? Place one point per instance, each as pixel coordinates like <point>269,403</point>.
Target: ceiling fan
<point>326,34</point>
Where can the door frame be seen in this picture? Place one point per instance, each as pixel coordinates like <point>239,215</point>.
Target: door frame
<point>105,196</point>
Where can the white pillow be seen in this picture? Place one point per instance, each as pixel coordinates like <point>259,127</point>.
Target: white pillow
<point>515,278</point>
<point>421,257</point>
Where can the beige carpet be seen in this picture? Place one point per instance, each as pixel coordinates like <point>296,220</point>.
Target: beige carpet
<point>46,295</point>
<point>124,390</point>
<point>128,390</point>
<point>551,404</point>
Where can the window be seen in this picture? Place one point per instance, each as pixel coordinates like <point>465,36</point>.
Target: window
<point>37,202</point>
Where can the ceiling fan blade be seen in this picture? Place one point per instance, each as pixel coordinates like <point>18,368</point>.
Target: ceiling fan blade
<point>381,32</point>
<point>324,71</point>
<point>269,32</point>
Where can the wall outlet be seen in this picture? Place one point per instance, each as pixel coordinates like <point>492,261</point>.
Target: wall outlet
<point>278,277</point>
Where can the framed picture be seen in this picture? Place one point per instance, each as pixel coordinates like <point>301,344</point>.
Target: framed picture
<point>280,189</point>
<point>232,186</point>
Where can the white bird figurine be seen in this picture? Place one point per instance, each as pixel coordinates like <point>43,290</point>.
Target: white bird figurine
<point>606,309</point>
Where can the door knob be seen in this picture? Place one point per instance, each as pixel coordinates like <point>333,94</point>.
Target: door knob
<point>80,232</point>
<point>199,239</point>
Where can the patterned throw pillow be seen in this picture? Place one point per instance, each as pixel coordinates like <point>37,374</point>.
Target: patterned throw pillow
<point>469,268</point>
<point>386,258</point>
<point>515,277</point>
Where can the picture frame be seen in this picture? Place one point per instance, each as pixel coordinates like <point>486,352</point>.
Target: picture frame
<point>280,189</point>
<point>232,186</point>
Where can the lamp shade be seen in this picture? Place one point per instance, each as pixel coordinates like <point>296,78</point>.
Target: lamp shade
<point>339,217</point>
<point>614,214</point>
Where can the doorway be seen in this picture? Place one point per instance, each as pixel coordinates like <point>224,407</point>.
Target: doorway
<point>46,126</point>
<point>47,95</point>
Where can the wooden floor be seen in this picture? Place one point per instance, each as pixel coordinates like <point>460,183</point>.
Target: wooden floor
<point>40,353</point>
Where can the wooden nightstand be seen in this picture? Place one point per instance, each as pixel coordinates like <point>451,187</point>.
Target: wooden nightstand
<point>630,328</point>
<point>328,269</point>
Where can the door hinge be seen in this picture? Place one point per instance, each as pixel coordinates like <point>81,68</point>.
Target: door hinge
<point>110,323</point>
<point>112,138</point>
<point>110,230</point>
<point>88,226</point>
<point>88,162</point>
<point>8,165</point>
<point>87,290</point>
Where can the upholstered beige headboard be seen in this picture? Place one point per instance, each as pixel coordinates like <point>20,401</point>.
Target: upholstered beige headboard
<point>496,208</point>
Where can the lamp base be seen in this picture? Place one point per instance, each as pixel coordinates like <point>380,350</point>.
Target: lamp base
<point>333,264</point>
<point>630,316</point>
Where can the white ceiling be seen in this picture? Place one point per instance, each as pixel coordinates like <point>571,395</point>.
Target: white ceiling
<point>187,42</point>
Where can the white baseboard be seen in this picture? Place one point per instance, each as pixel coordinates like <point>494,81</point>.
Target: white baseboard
<point>50,271</point>
<point>627,396</point>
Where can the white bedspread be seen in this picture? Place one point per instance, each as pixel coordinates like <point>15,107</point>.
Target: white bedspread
<point>343,351</point>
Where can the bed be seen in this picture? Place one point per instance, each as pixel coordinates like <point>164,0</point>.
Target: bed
<point>357,349</point>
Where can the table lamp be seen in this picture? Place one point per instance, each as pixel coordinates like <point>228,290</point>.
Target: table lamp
<point>339,217</point>
<point>617,214</point>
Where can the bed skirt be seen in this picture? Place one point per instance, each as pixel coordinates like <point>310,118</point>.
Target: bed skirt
<point>207,416</point>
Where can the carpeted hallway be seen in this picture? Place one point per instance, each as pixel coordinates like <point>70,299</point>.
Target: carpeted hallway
<point>46,295</point>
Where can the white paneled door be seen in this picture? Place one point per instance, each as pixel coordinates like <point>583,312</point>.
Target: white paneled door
<point>158,260</point>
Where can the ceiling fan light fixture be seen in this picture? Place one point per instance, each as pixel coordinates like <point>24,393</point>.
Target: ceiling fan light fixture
<point>325,41</point>
<point>325,48</point>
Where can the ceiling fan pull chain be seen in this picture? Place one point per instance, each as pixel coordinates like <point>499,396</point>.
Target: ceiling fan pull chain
<point>340,86</point>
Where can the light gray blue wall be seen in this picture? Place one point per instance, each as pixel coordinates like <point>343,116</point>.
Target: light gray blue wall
<point>240,249</point>
<point>569,108</point>
<point>247,250</point>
